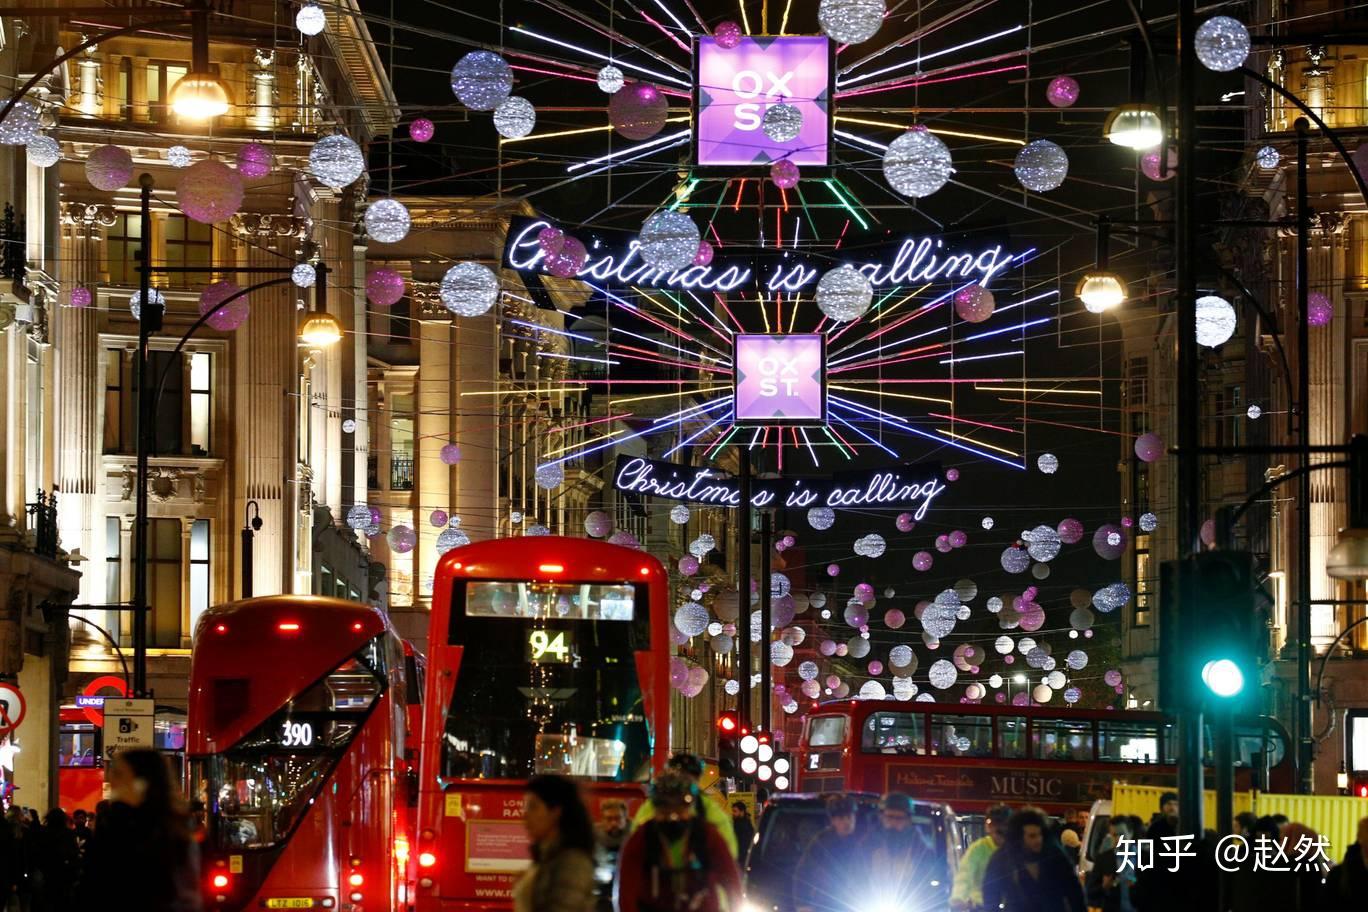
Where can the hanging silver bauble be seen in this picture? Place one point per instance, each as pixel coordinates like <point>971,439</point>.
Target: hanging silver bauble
<point>1267,157</point>
<point>469,289</point>
<point>917,163</point>
<point>44,151</point>
<point>20,125</point>
<point>1222,43</point>
<point>821,518</point>
<point>669,240</point>
<point>482,80</point>
<point>679,514</point>
<point>335,161</point>
<point>1215,321</point>
<point>135,302</point>
<point>551,475</point>
<point>844,294</point>
<point>451,538</point>
<point>610,80</point>
<point>178,157</point>
<point>310,19</point>
<point>850,21</point>
<point>782,122</point>
<point>515,117</point>
<point>304,275</point>
<point>359,517</point>
<point>387,221</point>
<point>1041,166</point>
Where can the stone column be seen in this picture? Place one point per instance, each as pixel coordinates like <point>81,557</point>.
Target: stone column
<point>333,224</point>
<point>434,400</point>
<point>477,369</point>
<point>1327,414</point>
<point>265,373</point>
<point>78,397</point>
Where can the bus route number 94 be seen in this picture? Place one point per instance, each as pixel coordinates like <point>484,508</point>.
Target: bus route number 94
<point>296,734</point>
<point>548,646</point>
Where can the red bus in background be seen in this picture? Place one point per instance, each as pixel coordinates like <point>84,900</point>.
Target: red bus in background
<point>974,756</point>
<point>547,655</point>
<point>298,717</point>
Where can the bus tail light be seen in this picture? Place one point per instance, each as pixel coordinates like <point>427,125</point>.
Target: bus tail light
<point>427,860</point>
<point>356,879</point>
<point>401,850</point>
<point>220,881</point>
<point>551,568</point>
<point>355,896</point>
<point>288,627</point>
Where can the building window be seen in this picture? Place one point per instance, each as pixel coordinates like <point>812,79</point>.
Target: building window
<point>189,243</point>
<point>164,583</point>
<point>162,77</point>
<point>200,400</point>
<point>125,88</point>
<point>199,570</point>
<point>113,400</point>
<point>113,570</point>
<point>401,442</point>
<point>401,322</point>
<point>1144,586</point>
<point>122,240</point>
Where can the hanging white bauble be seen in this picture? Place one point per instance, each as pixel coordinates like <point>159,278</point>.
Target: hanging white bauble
<point>44,151</point>
<point>1041,166</point>
<point>551,475</point>
<point>821,518</point>
<point>135,302</point>
<point>943,674</point>
<point>451,538</point>
<point>1048,463</point>
<point>691,619</point>
<point>669,240</point>
<point>469,289</point>
<point>850,21</point>
<point>335,161</point>
<point>515,117</point>
<point>782,122</point>
<point>387,221</point>
<point>1267,157</point>
<point>917,163</point>
<point>304,275</point>
<point>178,157</point>
<point>844,294</point>
<point>310,19</point>
<point>20,125</point>
<point>610,80</point>
<point>1215,321</point>
<point>359,517</point>
<point>679,514</point>
<point>1222,44</point>
<point>482,80</point>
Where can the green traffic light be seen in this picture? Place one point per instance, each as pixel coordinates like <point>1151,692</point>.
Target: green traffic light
<point>1223,677</point>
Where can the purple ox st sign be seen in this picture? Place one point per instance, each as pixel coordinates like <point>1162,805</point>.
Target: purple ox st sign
<point>780,379</point>
<point>736,86</point>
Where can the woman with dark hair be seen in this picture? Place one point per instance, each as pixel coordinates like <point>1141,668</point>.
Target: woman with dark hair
<point>561,878</point>
<point>56,861</point>
<point>141,857</point>
<point>1031,873</point>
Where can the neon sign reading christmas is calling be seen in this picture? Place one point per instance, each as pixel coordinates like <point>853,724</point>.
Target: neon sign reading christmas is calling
<point>912,488</point>
<point>616,262</point>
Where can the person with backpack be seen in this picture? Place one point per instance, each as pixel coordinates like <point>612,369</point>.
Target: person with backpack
<point>677,861</point>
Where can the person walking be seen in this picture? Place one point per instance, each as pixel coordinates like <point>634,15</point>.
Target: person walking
<point>1031,873</point>
<point>1108,887</point>
<point>1346,886</point>
<point>677,861</point>
<point>823,879</point>
<point>968,891</point>
<point>903,862</point>
<point>11,864</point>
<point>141,856</point>
<point>57,862</point>
<point>743,829</point>
<point>23,861</point>
<point>691,768</point>
<point>561,878</point>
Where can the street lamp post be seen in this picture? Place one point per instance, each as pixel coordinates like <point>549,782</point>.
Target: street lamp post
<point>251,524</point>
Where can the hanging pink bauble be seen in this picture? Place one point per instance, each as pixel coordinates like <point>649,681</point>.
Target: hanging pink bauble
<point>638,111</point>
<point>894,619</point>
<point>598,524</point>
<point>833,569</point>
<point>679,671</point>
<point>384,287</point>
<point>842,649</point>
<point>827,647</point>
<point>1149,165</point>
<point>210,191</point>
<point>421,130</point>
<point>876,667</point>
<point>1149,447</point>
<point>943,544</point>
<point>439,519</point>
<point>865,593</point>
<point>550,239</point>
<point>704,256</point>
<point>784,174</point>
<point>904,522</point>
<point>566,262</point>
<point>1062,91</point>
<point>688,565</point>
<point>1070,531</point>
<point>450,454</point>
<point>109,168</point>
<point>958,539</point>
<point>952,474</point>
<point>80,297</point>
<point>974,303</point>
<point>1207,533</point>
<point>254,161</point>
<point>1320,310</point>
<point>225,319</point>
<point>728,34</point>
<point>401,539</point>
<point>922,561</point>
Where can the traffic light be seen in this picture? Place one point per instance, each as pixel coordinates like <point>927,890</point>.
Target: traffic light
<point>1213,632</point>
<point>728,737</point>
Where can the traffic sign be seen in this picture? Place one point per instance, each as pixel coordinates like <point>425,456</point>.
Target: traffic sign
<point>12,706</point>
<point>128,725</point>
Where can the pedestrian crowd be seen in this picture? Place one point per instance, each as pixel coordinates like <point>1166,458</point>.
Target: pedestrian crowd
<point>136,853</point>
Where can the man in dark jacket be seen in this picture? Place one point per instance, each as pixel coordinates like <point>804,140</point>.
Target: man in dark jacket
<point>1030,873</point>
<point>744,830</point>
<point>821,881</point>
<point>1108,887</point>
<point>1346,886</point>
<point>902,862</point>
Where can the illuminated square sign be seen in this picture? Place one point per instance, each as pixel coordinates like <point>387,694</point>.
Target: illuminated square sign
<point>780,379</point>
<point>734,88</point>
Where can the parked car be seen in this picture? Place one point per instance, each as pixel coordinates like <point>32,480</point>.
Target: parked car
<point>1095,836</point>
<point>788,823</point>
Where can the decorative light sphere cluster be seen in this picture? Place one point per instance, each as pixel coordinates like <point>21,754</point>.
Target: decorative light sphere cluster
<point>1041,166</point>
<point>482,80</point>
<point>917,163</point>
<point>844,294</point>
<point>850,21</point>
<point>669,240</point>
<point>387,221</point>
<point>335,161</point>
<point>469,289</point>
<point>1222,44</point>
<point>758,759</point>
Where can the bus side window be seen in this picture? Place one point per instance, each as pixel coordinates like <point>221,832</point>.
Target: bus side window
<point>1011,733</point>
<point>1129,742</point>
<point>1063,739</point>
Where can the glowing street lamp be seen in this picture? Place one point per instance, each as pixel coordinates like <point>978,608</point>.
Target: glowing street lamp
<point>199,94</point>
<point>1100,289</point>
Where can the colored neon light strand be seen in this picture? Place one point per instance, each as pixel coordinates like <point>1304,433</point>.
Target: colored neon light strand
<point>934,350</point>
<point>561,357</point>
<point>1013,328</point>
<point>638,147</point>
<point>632,308</point>
<point>837,442</point>
<point>882,393</point>
<point>982,424</point>
<point>569,427</point>
<point>511,390</point>
<point>806,439</point>
<point>888,450</point>
<point>1031,389</point>
<point>940,131</point>
<point>558,332</point>
<point>922,58</point>
<point>860,139</point>
<point>1004,354</point>
<point>745,21</point>
<point>578,453</point>
<point>693,410</point>
<point>783,27</point>
<point>977,442</point>
<point>902,84</point>
<point>669,12</point>
<point>901,321</point>
<point>868,410</point>
<point>1022,303</point>
<point>653,358</point>
<point>754,439</point>
<point>830,185</point>
<point>687,313</point>
<point>671,395</point>
<point>721,442</point>
<point>960,446</point>
<point>666,32</point>
<point>610,435</point>
<point>597,55</point>
<point>577,132</point>
<point>663,344</point>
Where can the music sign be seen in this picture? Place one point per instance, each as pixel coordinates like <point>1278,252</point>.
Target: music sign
<point>780,379</point>
<point>735,86</point>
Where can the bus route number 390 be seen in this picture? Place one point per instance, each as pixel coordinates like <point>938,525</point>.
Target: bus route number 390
<point>296,734</point>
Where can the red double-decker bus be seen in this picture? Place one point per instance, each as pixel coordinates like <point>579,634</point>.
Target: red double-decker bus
<point>546,655</point>
<point>974,756</point>
<point>297,727</point>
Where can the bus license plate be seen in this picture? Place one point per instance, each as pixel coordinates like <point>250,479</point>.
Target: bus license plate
<point>289,903</point>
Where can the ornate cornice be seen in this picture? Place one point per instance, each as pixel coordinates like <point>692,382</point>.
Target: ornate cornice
<point>88,216</point>
<point>259,225</point>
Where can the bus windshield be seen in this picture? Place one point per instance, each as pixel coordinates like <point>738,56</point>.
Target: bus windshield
<point>257,790</point>
<point>548,682</point>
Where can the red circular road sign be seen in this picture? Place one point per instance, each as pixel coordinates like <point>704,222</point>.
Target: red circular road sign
<point>12,706</point>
